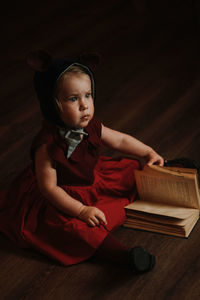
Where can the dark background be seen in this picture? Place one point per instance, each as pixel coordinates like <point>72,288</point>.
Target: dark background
<point>148,85</point>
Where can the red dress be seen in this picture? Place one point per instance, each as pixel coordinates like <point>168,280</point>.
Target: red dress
<point>30,220</point>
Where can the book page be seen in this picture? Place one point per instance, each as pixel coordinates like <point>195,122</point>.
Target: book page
<point>180,228</point>
<point>160,209</point>
<point>168,189</point>
<point>183,172</point>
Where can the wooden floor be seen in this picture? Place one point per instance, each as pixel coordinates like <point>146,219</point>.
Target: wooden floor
<point>148,85</point>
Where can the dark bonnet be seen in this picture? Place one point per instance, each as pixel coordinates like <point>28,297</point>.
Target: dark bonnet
<point>47,72</point>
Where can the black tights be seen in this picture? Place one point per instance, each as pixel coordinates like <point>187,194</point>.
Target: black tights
<point>136,259</point>
<point>111,249</point>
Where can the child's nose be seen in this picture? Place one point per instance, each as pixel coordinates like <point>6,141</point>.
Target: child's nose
<point>83,104</point>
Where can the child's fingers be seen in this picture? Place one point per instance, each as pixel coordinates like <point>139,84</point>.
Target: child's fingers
<point>102,218</point>
<point>91,223</point>
<point>161,163</point>
<point>96,221</point>
<point>151,162</point>
<point>156,160</point>
<point>93,216</point>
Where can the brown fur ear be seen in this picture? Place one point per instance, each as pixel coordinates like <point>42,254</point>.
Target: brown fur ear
<point>39,60</point>
<point>91,59</point>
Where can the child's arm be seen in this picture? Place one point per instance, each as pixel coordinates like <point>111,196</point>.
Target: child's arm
<point>47,183</point>
<point>129,145</point>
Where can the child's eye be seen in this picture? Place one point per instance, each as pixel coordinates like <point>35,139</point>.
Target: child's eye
<point>88,95</point>
<point>73,99</point>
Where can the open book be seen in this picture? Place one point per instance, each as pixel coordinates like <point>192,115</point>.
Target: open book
<point>168,200</point>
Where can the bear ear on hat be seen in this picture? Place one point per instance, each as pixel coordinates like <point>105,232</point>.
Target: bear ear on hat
<point>39,60</point>
<point>90,59</point>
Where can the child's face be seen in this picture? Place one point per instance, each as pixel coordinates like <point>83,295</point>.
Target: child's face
<point>75,100</point>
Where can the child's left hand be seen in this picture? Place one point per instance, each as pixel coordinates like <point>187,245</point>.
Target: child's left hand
<point>153,158</point>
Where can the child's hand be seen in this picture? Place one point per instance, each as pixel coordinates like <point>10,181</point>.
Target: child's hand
<point>154,158</point>
<point>92,216</point>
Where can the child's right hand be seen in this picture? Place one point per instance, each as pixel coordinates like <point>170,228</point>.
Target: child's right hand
<point>92,216</point>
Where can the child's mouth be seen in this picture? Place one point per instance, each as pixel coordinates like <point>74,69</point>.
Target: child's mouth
<point>85,118</point>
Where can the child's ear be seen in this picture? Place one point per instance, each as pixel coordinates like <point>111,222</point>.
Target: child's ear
<point>90,59</point>
<point>39,60</point>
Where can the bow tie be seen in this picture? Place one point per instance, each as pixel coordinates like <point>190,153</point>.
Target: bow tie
<point>73,137</point>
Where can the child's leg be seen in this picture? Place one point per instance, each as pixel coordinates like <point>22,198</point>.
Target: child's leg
<point>137,258</point>
<point>111,249</point>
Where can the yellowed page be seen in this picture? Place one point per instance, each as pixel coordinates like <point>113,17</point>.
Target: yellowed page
<point>168,189</point>
<point>160,209</point>
<point>171,170</point>
<point>182,170</point>
<point>178,228</point>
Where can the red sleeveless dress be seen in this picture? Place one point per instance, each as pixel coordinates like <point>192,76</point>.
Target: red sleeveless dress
<point>31,221</point>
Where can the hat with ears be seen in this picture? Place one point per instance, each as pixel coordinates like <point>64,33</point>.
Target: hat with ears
<point>48,72</point>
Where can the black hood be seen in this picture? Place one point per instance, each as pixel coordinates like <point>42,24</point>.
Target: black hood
<point>45,82</point>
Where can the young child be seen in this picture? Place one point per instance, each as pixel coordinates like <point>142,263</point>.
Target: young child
<point>68,202</point>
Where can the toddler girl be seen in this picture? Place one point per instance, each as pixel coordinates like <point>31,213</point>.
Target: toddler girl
<point>68,202</point>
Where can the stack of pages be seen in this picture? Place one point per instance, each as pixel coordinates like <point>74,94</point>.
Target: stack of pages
<point>168,201</point>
